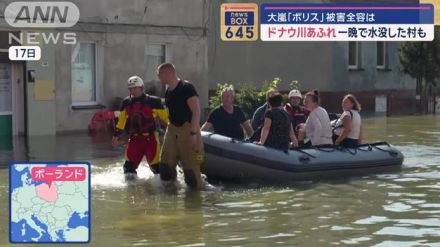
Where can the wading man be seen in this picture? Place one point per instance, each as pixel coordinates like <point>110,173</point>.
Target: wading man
<point>138,115</point>
<point>183,141</point>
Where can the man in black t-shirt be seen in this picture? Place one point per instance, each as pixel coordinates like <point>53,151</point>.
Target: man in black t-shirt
<point>182,141</point>
<point>228,119</point>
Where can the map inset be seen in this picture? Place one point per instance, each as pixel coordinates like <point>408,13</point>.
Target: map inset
<point>50,203</point>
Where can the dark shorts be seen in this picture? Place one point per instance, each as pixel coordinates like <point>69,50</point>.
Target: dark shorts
<point>347,142</point>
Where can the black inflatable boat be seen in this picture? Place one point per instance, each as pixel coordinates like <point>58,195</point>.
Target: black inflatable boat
<point>229,159</point>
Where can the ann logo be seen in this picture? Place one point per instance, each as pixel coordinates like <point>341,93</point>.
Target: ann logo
<point>42,14</point>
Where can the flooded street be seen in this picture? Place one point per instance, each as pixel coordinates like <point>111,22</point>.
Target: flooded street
<point>401,209</point>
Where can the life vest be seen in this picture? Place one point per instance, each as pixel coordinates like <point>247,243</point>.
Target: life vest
<point>140,117</point>
<point>298,115</point>
<point>296,110</point>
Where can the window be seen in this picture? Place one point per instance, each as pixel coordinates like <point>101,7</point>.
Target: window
<point>354,55</point>
<point>382,58</point>
<point>84,74</point>
<point>155,55</point>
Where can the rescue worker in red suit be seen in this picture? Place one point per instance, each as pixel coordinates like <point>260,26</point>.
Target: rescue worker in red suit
<point>139,116</point>
<point>298,114</point>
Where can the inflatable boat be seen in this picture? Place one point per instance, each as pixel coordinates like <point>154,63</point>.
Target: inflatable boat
<point>233,160</point>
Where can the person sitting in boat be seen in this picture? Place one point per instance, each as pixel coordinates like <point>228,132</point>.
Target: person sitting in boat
<point>347,131</point>
<point>258,117</point>
<point>298,114</point>
<point>317,130</point>
<point>277,131</point>
<point>228,119</point>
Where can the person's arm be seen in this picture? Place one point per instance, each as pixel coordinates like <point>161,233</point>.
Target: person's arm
<point>265,130</point>
<point>248,128</point>
<point>245,123</point>
<point>162,115</point>
<point>293,137</point>
<point>315,127</point>
<point>257,118</point>
<point>194,106</point>
<point>346,122</point>
<point>212,118</point>
<point>360,136</point>
<point>122,120</point>
<point>254,120</point>
<point>301,132</point>
<point>120,126</point>
<point>207,126</point>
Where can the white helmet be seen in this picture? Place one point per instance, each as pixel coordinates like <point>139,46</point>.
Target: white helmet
<point>295,93</point>
<point>135,81</point>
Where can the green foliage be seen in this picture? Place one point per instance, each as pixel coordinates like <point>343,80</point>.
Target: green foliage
<point>248,97</point>
<point>295,85</point>
<point>421,60</point>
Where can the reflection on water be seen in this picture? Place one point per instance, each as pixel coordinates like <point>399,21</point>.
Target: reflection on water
<point>400,209</point>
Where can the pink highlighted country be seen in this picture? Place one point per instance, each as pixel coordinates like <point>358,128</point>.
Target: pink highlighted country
<point>47,193</point>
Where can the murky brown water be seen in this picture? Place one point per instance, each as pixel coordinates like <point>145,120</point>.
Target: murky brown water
<point>380,210</point>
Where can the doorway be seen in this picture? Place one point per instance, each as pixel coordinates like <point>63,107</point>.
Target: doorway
<point>12,96</point>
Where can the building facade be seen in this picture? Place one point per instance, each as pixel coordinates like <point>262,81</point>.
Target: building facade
<point>115,40</point>
<point>118,39</point>
<point>370,70</point>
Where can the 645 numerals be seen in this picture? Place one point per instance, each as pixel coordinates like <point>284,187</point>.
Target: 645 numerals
<point>240,32</point>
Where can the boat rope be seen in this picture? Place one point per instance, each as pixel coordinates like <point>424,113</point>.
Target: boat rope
<point>303,152</point>
<point>391,152</point>
<point>369,148</point>
<point>327,148</point>
<point>354,152</point>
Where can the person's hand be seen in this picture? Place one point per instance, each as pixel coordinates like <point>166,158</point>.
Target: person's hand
<point>115,141</point>
<point>294,144</point>
<point>338,141</point>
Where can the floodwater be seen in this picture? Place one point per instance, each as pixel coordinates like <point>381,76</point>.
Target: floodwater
<point>400,209</point>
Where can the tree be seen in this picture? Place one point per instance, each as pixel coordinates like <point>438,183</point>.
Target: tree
<point>421,60</point>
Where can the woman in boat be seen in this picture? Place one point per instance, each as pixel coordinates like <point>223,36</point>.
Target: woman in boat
<point>348,131</point>
<point>277,131</point>
<point>317,130</point>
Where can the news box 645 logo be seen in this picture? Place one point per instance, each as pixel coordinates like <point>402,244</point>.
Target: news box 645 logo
<point>39,16</point>
<point>239,21</point>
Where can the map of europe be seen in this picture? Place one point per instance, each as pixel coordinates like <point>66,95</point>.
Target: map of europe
<point>50,203</point>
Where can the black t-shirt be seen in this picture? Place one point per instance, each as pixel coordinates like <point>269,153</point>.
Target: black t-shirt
<point>227,124</point>
<point>278,137</point>
<point>176,102</point>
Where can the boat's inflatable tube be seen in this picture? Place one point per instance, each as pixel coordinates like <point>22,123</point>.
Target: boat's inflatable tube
<point>229,159</point>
